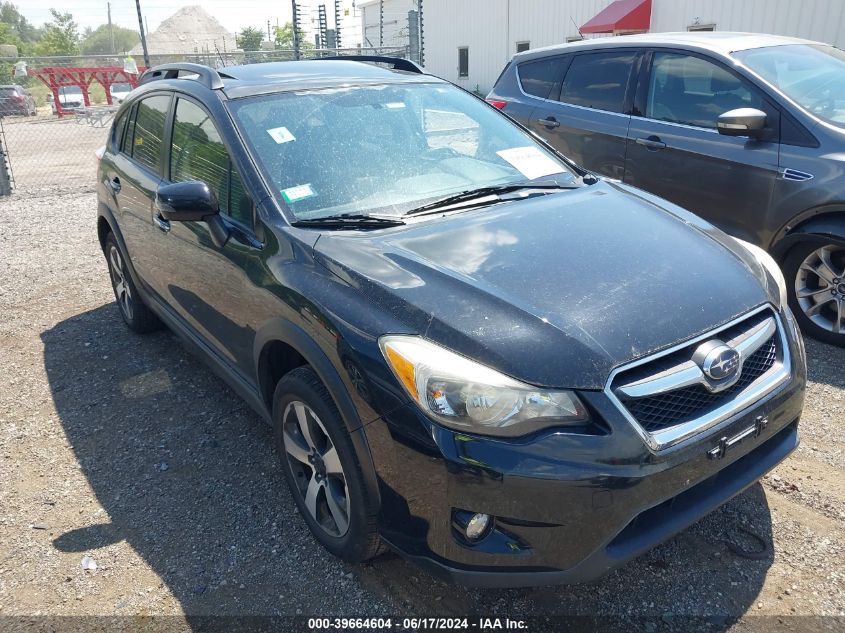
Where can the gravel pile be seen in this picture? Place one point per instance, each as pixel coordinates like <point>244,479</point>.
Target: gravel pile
<point>135,483</point>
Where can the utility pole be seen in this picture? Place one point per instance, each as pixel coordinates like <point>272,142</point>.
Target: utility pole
<point>422,33</point>
<point>111,28</point>
<point>337,23</point>
<point>295,18</point>
<point>269,39</point>
<point>380,24</point>
<point>143,34</point>
<point>322,25</point>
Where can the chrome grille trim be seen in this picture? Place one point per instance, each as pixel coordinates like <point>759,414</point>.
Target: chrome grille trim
<point>689,373</point>
<point>682,375</point>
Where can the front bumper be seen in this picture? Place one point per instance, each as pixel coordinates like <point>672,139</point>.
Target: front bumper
<point>568,508</point>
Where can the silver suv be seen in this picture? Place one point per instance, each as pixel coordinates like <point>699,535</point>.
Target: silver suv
<point>746,130</point>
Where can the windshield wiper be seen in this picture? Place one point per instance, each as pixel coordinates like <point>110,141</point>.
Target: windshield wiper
<point>484,192</point>
<point>349,221</point>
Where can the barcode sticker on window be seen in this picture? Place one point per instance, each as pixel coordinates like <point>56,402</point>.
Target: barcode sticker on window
<point>281,135</point>
<point>531,162</point>
<point>300,192</point>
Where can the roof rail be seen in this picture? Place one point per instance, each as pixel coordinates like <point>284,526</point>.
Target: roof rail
<point>398,63</point>
<point>206,75</point>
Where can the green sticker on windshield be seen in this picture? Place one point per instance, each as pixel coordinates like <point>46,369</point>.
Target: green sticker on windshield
<point>300,192</point>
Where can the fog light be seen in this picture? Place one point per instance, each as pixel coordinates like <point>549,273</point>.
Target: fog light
<point>477,526</point>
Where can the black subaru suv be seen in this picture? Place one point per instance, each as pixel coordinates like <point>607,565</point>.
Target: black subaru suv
<point>470,349</point>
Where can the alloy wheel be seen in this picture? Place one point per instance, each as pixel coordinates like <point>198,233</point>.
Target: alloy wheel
<point>119,282</point>
<point>820,288</point>
<point>316,467</point>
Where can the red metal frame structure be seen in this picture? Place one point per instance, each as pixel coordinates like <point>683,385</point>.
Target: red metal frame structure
<point>55,77</point>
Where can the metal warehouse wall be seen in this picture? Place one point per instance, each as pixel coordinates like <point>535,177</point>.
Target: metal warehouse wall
<point>822,20</point>
<point>491,28</point>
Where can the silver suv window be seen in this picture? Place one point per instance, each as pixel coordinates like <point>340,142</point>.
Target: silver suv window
<point>693,91</point>
<point>811,75</point>
<point>598,80</point>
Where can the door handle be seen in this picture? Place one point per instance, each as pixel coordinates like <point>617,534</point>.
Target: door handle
<point>652,142</point>
<point>160,222</point>
<point>549,122</point>
<point>114,183</point>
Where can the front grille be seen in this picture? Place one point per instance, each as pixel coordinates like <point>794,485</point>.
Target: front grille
<point>669,397</point>
<point>668,409</point>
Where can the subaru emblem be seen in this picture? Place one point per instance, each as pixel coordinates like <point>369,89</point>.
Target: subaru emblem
<point>721,363</point>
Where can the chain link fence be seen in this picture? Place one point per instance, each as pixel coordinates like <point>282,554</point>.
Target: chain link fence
<point>49,146</point>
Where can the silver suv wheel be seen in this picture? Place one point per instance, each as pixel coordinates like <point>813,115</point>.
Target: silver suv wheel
<point>316,467</point>
<point>820,288</point>
<point>122,291</point>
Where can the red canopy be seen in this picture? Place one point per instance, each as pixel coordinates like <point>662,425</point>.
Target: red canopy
<point>621,15</point>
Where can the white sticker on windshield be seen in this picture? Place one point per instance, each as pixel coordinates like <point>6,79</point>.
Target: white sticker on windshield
<point>394,105</point>
<point>300,192</point>
<point>531,162</point>
<point>281,135</point>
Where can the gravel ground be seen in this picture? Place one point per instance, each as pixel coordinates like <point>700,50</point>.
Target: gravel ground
<point>127,450</point>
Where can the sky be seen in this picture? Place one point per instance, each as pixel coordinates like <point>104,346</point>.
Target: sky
<point>233,14</point>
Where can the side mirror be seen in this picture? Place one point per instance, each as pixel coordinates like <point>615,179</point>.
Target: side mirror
<point>742,122</point>
<point>190,201</point>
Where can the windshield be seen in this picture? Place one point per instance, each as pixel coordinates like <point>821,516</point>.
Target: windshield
<point>811,75</point>
<point>384,150</point>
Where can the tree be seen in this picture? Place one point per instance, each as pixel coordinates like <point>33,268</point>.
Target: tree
<point>250,38</point>
<point>18,24</point>
<point>60,37</point>
<point>284,37</point>
<point>99,41</point>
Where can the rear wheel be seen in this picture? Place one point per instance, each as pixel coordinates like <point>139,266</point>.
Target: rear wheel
<point>815,278</point>
<point>137,316</point>
<point>321,467</point>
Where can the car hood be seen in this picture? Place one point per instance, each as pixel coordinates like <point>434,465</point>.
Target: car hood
<point>554,290</point>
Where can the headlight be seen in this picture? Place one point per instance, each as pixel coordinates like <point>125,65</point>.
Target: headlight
<point>468,396</point>
<point>770,265</point>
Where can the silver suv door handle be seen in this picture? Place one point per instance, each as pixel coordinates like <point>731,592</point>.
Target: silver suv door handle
<point>652,142</point>
<point>550,122</point>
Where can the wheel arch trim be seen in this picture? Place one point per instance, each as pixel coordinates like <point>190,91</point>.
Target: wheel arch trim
<point>822,224</point>
<point>104,213</point>
<point>284,331</point>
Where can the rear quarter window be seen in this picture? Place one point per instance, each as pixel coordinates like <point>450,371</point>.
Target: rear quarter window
<point>539,78</point>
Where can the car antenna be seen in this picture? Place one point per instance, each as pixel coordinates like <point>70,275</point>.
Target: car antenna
<point>577,28</point>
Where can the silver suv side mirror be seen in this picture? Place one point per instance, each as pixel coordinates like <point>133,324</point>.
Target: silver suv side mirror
<point>742,122</point>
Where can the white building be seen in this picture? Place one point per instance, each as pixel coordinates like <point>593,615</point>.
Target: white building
<point>469,41</point>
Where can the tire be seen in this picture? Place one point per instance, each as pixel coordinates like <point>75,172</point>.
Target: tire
<point>815,281</point>
<point>137,316</point>
<point>346,527</point>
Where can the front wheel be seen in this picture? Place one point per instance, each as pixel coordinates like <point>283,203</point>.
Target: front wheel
<point>815,279</point>
<point>321,467</point>
<point>135,314</point>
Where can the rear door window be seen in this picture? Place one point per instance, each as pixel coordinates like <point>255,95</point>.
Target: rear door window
<point>148,132</point>
<point>598,80</point>
<point>541,78</point>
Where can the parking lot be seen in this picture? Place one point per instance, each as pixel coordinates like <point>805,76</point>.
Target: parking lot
<point>128,450</point>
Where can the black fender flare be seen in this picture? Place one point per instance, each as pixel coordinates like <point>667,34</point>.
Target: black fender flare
<point>289,333</point>
<point>828,227</point>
